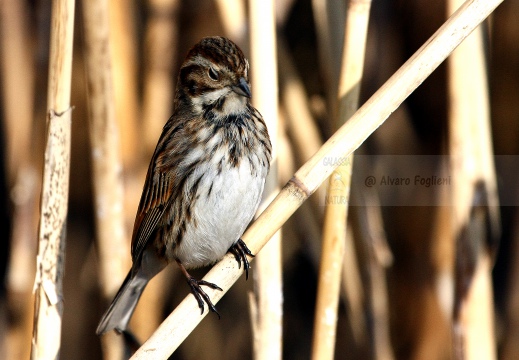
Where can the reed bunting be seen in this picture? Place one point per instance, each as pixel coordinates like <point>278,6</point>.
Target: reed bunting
<point>204,181</point>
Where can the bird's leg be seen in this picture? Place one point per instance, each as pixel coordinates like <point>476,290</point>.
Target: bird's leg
<point>196,289</point>
<point>240,251</point>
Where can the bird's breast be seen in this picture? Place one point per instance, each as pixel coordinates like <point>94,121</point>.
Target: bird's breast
<point>226,199</point>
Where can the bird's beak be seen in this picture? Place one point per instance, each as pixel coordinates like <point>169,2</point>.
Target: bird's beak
<point>242,88</point>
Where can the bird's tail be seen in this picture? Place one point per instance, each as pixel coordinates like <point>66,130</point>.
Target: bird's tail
<point>121,309</point>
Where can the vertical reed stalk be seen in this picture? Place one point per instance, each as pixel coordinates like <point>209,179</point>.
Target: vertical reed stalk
<point>267,302</point>
<point>17,84</point>
<point>379,257</point>
<point>48,305</point>
<point>122,36</point>
<point>106,159</point>
<point>22,178</point>
<point>161,45</point>
<point>475,202</point>
<point>233,18</point>
<point>338,192</point>
<point>329,21</point>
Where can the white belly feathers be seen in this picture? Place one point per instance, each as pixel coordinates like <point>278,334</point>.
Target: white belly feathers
<point>223,214</point>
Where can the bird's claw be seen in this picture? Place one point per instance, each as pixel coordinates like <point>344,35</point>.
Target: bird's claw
<point>240,252</point>
<point>201,296</point>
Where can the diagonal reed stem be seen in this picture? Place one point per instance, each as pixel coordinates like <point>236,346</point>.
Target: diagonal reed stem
<point>349,137</point>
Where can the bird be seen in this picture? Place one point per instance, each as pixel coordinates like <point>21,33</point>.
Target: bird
<point>204,181</point>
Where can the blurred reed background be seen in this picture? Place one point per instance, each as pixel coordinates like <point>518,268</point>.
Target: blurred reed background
<point>413,269</point>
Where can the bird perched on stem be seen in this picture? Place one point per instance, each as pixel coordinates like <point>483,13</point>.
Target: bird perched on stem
<point>204,181</point>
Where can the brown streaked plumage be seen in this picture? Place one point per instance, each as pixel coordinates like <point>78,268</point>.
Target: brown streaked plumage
<point>204,181</point>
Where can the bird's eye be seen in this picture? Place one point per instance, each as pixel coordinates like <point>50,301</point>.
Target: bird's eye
<point>213,74</point>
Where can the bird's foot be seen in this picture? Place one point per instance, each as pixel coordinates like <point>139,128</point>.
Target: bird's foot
<point>201,296</point>
<point>240,252</point>
<point>197,291</point>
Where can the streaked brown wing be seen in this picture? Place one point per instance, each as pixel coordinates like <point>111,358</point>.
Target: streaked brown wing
<point>157,192</point>
<point>149,215</point>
